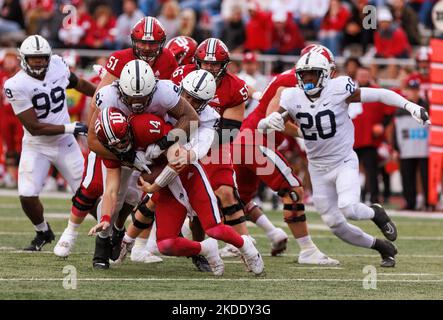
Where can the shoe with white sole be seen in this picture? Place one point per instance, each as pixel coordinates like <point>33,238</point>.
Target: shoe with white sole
<point>251,257</point>
<point>125,248</point>
<point>65,244</point>
<point>315,256</point>
<point>279,239</point>
<point>229,251</point>
<point>213,257</point>
<point>140,254</point>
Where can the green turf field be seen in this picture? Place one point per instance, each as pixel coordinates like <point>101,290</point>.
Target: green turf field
<point>418,274</point>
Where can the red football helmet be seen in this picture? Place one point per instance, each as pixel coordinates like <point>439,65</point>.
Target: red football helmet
<point>324,51</point>
<point>213,51</point>
<point>113,130</point>
<point>183,48</point>
<point>148,39</point>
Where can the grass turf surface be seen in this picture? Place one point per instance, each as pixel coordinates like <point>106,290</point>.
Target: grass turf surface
<point>23,275</point>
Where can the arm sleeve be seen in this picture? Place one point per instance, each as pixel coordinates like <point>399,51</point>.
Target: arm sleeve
<point>385,96</point>
<point>202,141</point>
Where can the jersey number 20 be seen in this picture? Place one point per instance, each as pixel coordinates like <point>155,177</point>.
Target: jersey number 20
<point>319,119</point>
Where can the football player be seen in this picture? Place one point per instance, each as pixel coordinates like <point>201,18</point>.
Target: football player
<point>183,48</point>
<point>319,107</point>
<point>38,97</point>
<point>213,56</point>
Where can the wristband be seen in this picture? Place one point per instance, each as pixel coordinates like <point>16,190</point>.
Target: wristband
<point>166,176</point>
<point>105,218</point>
<point>70,127</point>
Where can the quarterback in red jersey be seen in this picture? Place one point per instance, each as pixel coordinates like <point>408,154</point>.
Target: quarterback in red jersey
<point>256,158</point>
<point>231,94</point>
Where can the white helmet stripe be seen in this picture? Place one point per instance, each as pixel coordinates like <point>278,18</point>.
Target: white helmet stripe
<point>210,50</point>
<point>149,26</point>
<point>107,127</point>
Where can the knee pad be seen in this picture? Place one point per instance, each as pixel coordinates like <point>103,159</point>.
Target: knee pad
<point>251,205</point>
<point>144,210</point>
<point>133,196</point>
<point>293,217</point>
<point>141,225</point>
<point>295,194</point>
<point>82,202</point>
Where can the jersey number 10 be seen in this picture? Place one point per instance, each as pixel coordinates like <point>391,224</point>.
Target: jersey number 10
<point>318,124</point>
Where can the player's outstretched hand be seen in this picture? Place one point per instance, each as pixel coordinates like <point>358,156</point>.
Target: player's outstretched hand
<point>102,226</point>
<point>418,113</point>
<point>140,162</point>
<point>147,187</point>
<point>153,151</point>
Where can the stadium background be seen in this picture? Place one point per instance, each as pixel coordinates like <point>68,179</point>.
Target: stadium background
<point>264,38</point>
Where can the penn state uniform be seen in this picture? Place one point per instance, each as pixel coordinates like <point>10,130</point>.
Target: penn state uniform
<point>48,98</point>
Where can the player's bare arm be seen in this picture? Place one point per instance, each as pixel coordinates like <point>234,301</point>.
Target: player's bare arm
<point>81,85</point>
<point>93,142</point>
<point>109,200</point>
<point>290,128</point>
<point>184,113</point>
<point>390,98</point>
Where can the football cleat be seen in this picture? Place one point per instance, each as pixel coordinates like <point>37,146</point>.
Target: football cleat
<point>387,251</point>
<point>384,223</point>
<point>102,253</point>
<point>125,247</point>
<point>279,239</point>
<point>41,238</point>
<point>201,263</point>
<point>251,257</point>
<point>315,256</point>
<point>140,254</point>
<point>65,244</point>
<point>213,257</point>
<point>229,251</point>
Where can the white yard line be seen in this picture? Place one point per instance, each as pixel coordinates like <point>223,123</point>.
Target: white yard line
<point>254,279</point>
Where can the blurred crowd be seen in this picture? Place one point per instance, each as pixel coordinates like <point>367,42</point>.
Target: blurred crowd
<point>267,26</point>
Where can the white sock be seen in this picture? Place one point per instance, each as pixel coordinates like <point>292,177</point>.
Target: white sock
<point>205,248</point>
<point>140,242</point>
<point>41,226</point>
<point>264,223</point>
<point>128,239</point>
<point>72,226</point>
<point>305,243</point>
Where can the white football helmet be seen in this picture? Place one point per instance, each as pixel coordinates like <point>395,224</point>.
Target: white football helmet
<point>324,51</point>
<point>200,84</point>
<point>38,46</point>
<point>137,85</point>
<point>313,61</point>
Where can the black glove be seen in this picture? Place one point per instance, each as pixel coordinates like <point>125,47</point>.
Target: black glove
<point>80,129</point>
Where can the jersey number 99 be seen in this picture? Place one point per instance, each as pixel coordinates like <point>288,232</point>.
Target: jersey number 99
<point>42,102</point>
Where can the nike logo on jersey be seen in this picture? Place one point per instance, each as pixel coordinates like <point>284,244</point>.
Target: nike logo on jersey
<point>347,160</point>
<point>325,104</point>
<point>69,145</point>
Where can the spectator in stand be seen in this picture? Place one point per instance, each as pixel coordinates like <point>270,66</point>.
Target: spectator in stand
<point>12,23</point>
<point>370,120</point>
<point>73,31</point>
<point>354,33</point>
<point>332,27</point>
<point>422,66</point>
<point>390,40</point>
<point>233,32</point>
<point>130,16</point>
<point>286,36</point>
<point>406,17</point>
<point>11,130</point>
<point>102,32</point>
<point>189,27</point>
<point>258,29</point>
<point>255,80</point>
<point>169,18</point>
<point>351,66</point>
<point>37,11</point>
<point>310,15</point>
<point>411,144</point>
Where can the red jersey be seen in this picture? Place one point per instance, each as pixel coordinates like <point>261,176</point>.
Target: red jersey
<point>231,90</point>
<point>146,129</point>
<point>163,66</point>
<point>285,79</point>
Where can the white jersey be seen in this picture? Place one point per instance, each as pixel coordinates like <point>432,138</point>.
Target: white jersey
<point>327,129</point>
<point>47,97</point>
<point>202,138</point>
<point>166,97</point>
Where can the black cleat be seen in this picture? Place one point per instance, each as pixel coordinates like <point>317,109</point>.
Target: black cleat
<point>201,263</point>
<point>384,223</point>
<point>387,251</point>
<point>116,241</point>
<point>102,253</point>
<point>41,238</point>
